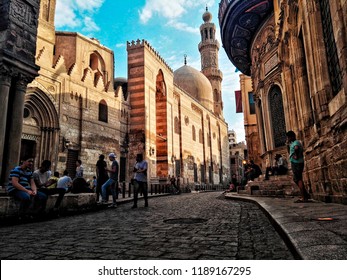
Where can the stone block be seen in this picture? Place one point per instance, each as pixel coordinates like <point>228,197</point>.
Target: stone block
<point>71,202</point>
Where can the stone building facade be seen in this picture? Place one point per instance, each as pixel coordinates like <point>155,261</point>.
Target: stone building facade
<point>72,109</point>
<point>76,109</point>
<point>18,33</point>
<point>250,120</point>
<point>238,155</point>
<point>295,53</point>
<point>175,120</point>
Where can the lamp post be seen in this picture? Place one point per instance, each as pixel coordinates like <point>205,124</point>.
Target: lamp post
<point>244,162</point>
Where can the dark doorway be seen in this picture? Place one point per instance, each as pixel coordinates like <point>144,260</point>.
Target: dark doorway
<point>27,149</point>
<point>122,169</point>
<point>202,173</point>
<point>178,168</point>
<point>195,173</point>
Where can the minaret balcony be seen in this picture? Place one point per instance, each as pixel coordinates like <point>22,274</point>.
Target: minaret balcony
<point>209,42</point>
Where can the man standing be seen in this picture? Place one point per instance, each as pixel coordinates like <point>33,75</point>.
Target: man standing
<point>140,179</point>
<point>296,157</point>
<point>111,182</point>
<point>101,175</point>
<point>22,187</point>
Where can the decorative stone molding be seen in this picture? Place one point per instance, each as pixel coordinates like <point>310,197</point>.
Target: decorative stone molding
<point>196,109</point>
<point>143,43</point>
<point>30,137</point>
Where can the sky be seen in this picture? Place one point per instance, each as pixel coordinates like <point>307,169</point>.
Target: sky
<point>170,26</point>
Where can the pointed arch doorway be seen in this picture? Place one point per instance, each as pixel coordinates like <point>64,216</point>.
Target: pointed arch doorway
<point>161,127</point>
<point>40,137</point>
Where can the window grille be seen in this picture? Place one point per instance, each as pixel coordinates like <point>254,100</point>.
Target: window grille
<point>277,116</point>
<point>103,111</point>
<point>330,47</point>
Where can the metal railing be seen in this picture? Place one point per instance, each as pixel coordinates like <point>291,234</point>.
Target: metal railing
<point>127,189</point>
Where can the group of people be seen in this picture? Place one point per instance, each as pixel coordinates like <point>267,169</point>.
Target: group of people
<point>107,180</point>
<point>252,171</point>
<point>33,188</point>
<point>279,167</point>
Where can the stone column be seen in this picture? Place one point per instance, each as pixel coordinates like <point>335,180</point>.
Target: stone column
<point>5,84</point>
<point>15,125</point>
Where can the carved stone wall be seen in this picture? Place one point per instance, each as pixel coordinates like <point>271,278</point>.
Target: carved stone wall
<point>18,25</point>
<point>163,120</point>
<point>18,30</point>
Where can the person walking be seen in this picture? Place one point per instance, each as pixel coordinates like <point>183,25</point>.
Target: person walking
<point>296,157</point>
<point>22,187</point>
<point>111,182</point>
<point>140,180</point>
<point>101,175</point>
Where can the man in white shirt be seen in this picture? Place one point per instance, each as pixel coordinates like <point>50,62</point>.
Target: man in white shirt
<point>65,182</point>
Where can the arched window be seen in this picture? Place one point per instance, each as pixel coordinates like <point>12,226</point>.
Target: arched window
<point>193,133</point>
<point>103,111</point>
<point>277,116</point>
<point>93,61</point>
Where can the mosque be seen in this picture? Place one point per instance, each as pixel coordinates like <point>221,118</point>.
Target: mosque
<point>75,108</point>
<point>293,60</point>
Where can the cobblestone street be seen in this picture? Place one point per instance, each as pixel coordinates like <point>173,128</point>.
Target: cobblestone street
<point>188,226</point>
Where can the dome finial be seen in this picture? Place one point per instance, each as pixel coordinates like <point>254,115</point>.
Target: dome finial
<point>185,59</point>
<point>207,16</point>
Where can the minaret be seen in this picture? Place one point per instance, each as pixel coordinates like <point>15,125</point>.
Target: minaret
<point>46,30</point>
<point>209,48</point>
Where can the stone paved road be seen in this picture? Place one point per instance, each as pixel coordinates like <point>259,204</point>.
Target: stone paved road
<point>223,229</point>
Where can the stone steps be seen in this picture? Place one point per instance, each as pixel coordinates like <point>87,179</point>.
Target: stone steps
<point>280,185</point>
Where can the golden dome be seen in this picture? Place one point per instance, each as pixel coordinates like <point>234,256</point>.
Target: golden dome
<point>196,84</point>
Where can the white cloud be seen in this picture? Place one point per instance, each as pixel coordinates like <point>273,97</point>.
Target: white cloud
<point>77,13</point>
<point>89,25</point>
<point>65,14</point>
<point>170,9</point>
<point>183,26</point>
<point>166,8</point>
<point>120,45</point>
<point>88,5</point>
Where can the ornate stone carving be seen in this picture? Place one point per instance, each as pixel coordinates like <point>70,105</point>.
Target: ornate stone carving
<point>23,13</point>
<point>271,63</point>
<point>30,137</point>
<point>5,73</point>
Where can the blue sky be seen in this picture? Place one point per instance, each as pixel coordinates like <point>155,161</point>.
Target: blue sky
<point>170,26</point>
